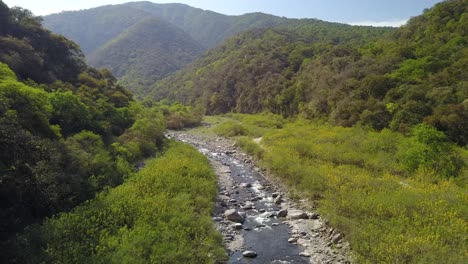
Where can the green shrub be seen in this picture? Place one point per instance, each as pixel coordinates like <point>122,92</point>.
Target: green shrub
<point>387,193</point>
<point>161,215</point>
<point>230,129</point>
<point>249,146</point>
<point>429,149</point>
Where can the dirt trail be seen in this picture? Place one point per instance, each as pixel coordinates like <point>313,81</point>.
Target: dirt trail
<point>264,220</point>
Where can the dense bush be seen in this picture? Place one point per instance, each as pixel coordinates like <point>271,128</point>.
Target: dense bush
<point>380,78</point>
<point>178,116</point>
<point>230,129</point>
<point>397,199</point>
<point>161,215</point>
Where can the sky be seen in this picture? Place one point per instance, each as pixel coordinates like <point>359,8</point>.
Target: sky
<point>355,12</point>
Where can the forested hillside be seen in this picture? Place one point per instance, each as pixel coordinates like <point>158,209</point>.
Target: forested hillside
<point>345,75</point>
<point>142,42</point>
<point>67,131</point>
<point>207,27</point>
<point>146,52</point>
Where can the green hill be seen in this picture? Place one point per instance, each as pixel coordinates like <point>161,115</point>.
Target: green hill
<point>95,27</point>
<point>343,74</point>
<point>105,34</point>
<point>146,52</point>
<point>207,27</point>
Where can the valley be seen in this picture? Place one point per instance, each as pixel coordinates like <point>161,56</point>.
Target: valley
<point>165,133</point>
<point>272,225</point>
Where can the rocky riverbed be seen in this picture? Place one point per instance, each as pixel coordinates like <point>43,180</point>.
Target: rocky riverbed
<point>258,221</point>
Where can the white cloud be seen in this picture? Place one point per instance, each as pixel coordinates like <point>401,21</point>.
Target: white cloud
<point>389,23</point>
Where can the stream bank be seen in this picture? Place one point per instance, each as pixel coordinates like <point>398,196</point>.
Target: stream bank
<point>257,220</point>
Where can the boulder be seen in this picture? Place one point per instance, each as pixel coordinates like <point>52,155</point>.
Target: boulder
<point>246,185</point>
<point>297,214</point>
<point>248,206</point>
<point>234,216</point>
<point>278,200</point>
<point>249,254</point>
<point>336,238</point>
<point>283,213</point>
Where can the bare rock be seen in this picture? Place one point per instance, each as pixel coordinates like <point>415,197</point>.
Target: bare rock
<point>246,185</point>
<point>248,206</point>
<point>234,216</point>
<point>314,216</point>
<point>297,214</point>
<point>278,200</point>
<point>336,238</point>
<point>237,226</point>
<point>249,254</point>
<point>283,213</point>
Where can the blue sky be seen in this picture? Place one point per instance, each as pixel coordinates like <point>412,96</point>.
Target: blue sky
<point>363,12</point>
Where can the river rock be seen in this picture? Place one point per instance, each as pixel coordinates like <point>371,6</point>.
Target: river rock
<point>283,213</point>
<point>234,216</point>
<point>249,254</point>
<point>237,226</point>
<point>275,194</point>
<point>336,238</point>
<point>314,216</point>
<point>297,214</point>
<point>304,254</point>
<point>246,185</point>
<point>278,200</point>
<point>248,206</point>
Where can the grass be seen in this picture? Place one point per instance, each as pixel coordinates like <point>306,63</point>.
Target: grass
<point>398,199</point>
<point>160,215</point>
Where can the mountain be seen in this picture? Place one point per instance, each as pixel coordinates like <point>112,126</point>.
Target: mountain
<point>95,27</point>
<point>347,75</point>
<point>207,27</point>
<point>146,52</point>
<point>177,35</point>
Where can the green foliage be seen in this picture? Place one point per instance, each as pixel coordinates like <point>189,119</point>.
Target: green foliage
<point>251,125</point>
<point>230,129</point>
<point>69,112</point>
<point>162,214</point>
<point>178,116</point>
<point>161,38</point>
<point>156,49</point>
<point>249,146</point>
<point>361,184</point>
<point>428,149</point>
<point>380,78</point>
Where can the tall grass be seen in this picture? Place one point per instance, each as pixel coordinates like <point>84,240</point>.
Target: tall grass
<point>361,181</point>
<point>398,199</point>
<point>161,215</point>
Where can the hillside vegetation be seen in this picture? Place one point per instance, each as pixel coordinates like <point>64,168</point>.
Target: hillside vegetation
<point>160,215</point>
<point>142,42</point>
<point>146,52</point>
<point>397,199</point>
<point>67,133</point>
<point>342,74</point>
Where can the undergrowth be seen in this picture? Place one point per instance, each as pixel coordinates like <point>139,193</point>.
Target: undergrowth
<point>160,215</point>
<point>398,199</point>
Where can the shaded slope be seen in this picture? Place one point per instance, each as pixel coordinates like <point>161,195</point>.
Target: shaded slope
<point>146,52</point>
<point>93,28</point>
